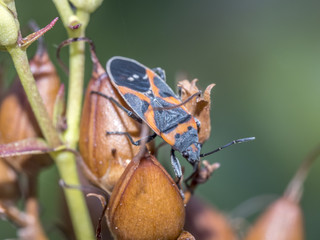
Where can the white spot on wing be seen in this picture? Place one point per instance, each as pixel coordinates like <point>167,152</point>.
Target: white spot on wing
<point>130,79</point>
<point>145,76</point>
<point>135,76</point>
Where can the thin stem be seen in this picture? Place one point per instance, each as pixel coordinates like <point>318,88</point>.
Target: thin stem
<point>20,60</point>
<point>75,93</point>
<point>64,10</point>
<point>77,206</point>
<point>295,187</point>
<point>66,161</point>
<point>13,214</point>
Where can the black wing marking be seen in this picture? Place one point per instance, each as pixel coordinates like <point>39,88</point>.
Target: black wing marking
<point>139,106</point>
<point>128,73</point>
<point>168,119</point>
<point>165,90</point>
<point>132,74</point>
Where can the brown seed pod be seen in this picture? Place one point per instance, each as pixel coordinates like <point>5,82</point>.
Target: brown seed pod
<point>145,203</point>
<point>282,220</point>
<point>198,107</point>
<point>105,156</point>
<point>206,222</point>
<point>17,121</point>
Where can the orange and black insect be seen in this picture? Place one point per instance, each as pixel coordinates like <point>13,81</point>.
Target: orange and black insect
<point>153,102</point>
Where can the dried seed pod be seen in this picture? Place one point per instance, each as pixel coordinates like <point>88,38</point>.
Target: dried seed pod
<point>9,187</point>
<point>17,121</point>
<point>207,223</point>
<point>105,156</point>
<point>198,107</point>
<point>145,203</point>
<point>282,220</point>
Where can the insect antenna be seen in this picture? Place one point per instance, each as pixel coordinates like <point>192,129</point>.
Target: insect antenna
<point>241,140</point>
<point>197,94</point>
<point>68,42</point>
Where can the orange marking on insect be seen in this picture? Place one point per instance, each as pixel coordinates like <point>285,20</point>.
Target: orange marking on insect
<point>124,90</point>
<point>180,129</point>
<point>150,74</point>
<point>149,118</point>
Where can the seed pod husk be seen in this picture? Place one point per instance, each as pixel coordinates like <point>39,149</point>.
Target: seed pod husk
<point>282,220</point>
<point>207,223</point>
<point>17,121</point>
<point>145,203</point>
<point>105,156</point>
<point>199,107</point>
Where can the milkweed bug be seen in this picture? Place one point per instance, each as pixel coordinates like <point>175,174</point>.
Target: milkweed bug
<point>153,102</point>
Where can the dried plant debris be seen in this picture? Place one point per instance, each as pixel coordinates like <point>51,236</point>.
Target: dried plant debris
<point>198,107</point>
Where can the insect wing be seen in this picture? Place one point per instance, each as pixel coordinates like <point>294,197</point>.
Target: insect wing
<point>143,90</point>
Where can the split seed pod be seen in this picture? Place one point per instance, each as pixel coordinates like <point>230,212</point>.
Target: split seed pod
<point>145,203</point>
<point>17,121</point>
<point>198,107</point>
<point>105,156</point>
<point>282,220</point>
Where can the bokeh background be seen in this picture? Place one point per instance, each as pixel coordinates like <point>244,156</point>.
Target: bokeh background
<point>264,57</point>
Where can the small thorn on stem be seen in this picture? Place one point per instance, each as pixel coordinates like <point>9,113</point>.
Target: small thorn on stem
<point>26,42</point>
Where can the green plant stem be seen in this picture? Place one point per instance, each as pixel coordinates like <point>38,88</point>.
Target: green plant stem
<point>76,75</point>
<point>66,162</point>
<point>79,214</point>
<point>64,10</point>
<point>21,63</point>
<point>75,92</point>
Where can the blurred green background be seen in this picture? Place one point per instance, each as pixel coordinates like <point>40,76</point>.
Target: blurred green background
<point>264,57</point>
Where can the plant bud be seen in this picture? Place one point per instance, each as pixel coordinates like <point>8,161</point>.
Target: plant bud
<point>145,203</point>
<point>207,223</point>
<point>282,220</point>
<point>199,107</point>
<point>87,5</point>
<point>8,27</point>
<point>9,188</point>
<point>17,121</point>
<point>105,156</point>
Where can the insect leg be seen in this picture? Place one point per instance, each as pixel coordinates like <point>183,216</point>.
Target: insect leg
<point>197,122</point>
<point>130,114</point>
<point>136,143</point>
<point>176,165</point>
<point>194,172</point>
<point>161,73</point>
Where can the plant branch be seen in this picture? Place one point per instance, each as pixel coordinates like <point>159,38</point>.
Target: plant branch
<point>77,206</point>
<point>66,161</point>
